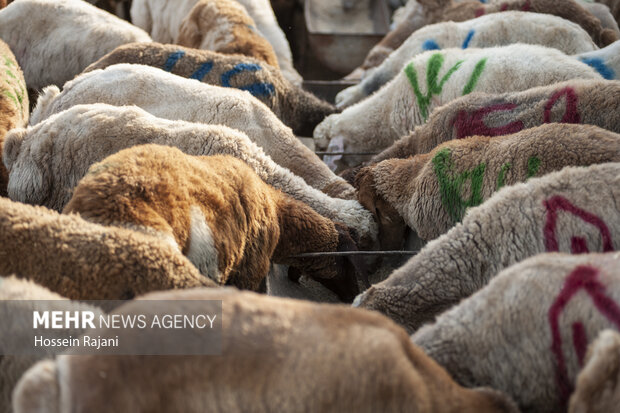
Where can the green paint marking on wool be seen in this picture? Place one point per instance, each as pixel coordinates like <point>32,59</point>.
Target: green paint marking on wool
<point>9,62</point>
<point>501,178</point>
<point>432,74</point>
<point>8,72</point>
<point>473,80</point>
<point>451,185</point>
<point>10,96</point>
<point>533,163</point>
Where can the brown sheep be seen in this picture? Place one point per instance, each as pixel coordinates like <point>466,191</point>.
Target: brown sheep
<point>85,261</point>
<point>225,26</point>
<point>13,102</point>
<point>222,216</point>
<point>431,192</point>
<point>297,108</point>
<point>278,355</point>
<point>434,11</point>
<point>587,101</point>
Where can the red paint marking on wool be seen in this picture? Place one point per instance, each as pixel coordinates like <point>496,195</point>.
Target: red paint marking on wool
<point>479,12</point>
<point>504,7</point>
<point>470,125</point>
<point>580,341</point>
<point>578,245</point>
<point>582,278</point>
<point>571,115</point>
<point>556,203</point>
<point>526,6</point>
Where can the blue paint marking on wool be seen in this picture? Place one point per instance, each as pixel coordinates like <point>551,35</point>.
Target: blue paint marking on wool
<point>202,71</point>
<point>430,44</point>
<point>599,65</point>
<point>470,35</point>
<point>173,59</point>
<point>256,89</point>
<point>483,1</point>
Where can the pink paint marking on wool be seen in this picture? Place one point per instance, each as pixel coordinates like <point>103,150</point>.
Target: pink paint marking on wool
<point>578,245</point>
<point>580,341</point>
<point>479,12</point>
<point>470,125</point>
<point>526,6</point>
<point>504,7</point>
<point>571,115</point>
<point>582,278</point>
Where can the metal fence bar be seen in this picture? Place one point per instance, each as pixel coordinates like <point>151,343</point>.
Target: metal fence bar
<point>347,153</point>
<point>348,253</point>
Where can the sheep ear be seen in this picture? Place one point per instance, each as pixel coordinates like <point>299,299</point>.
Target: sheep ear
<point>12,146</point>
<point>189,31</point>
<point>38,389</point>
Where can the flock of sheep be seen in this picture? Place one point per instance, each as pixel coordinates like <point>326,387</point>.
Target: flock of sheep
<point>161,159</point>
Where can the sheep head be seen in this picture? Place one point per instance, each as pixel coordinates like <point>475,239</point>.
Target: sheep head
<point>392,227</point>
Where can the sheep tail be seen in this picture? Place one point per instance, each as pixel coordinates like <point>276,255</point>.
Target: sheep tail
<point>38,390</point>
<point>42,108</point>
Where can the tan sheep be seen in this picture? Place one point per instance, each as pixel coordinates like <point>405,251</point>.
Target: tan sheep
<point>18,298</point>
<point>85,261</point>
<point>572,210</point>
<point>224,26</point>
<point>297,108</point>
<point>434,11</point>
<point>14,105</point>
<point>432,191</point>
<point>278,355</point>
<point>222,216</point>
<point>598,384</point>
<point>527,331</point>
<point>592,102</point>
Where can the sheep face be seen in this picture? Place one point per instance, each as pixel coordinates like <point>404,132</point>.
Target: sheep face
<point>392,227</point>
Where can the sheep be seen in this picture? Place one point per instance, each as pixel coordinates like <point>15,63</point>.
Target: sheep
<point>593,102</point>
<point>61,37</point>
<point>485,31</point>
<point>162,19</point>
<point>606,61</point>
<point>224,26</point>
<point>431,192</point>
<point>614,7</point>
<point>223,217</point>
<point>597,384</point>
<point>171,97</point>
<point>14,105</point>
<point>297,108</point>
<point>19,298</point>
<point>275,354</point>
<point>601,12</point>
<point>85,261</point>
<point>527,331</point>
<point>48,159</point>
<point>434,78</point>
<point>572,210</point>
<point>424,12</point>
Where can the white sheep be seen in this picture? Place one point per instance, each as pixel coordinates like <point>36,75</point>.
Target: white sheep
<point>526,333</point>
<point>497,29</point>
<point>162,19</point>
<point>606,61</point>
<point>172,97</point>
<point>47,160</point>
<point>55,40</point>
<point>19,298</point>
<point>434,78</point>
<point>572,210</point>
